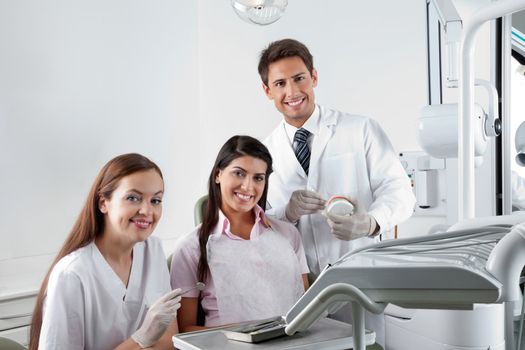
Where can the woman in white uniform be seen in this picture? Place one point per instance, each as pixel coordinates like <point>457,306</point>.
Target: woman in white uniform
<point>108,288</point>
<point>254,267</point>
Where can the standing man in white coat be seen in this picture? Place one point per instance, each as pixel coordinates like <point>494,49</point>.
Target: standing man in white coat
<point>318,153</point>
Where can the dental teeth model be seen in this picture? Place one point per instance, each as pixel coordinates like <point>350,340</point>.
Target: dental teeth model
<point>339,205</point>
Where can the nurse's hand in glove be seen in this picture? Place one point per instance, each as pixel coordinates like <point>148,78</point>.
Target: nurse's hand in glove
<point>303,202</point>
<point>157,319</point>
<point>350,227</point>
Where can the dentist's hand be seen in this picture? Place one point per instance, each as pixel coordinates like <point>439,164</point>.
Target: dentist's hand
<point>303,202</point>
<point>351,227</point>
<point>157,319</point>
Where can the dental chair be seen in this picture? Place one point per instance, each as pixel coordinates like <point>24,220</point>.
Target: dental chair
<point>197,339</point>
<point>474,269</point>
<point>198,210</point>
<point>8,344</point>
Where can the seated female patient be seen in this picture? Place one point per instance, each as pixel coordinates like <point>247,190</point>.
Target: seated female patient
<point>254,267</point>
<point>109,285</point>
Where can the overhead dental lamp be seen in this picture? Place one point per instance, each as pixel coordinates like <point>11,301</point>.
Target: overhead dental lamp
<point>261,12</point>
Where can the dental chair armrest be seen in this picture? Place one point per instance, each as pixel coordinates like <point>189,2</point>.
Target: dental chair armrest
<point>337,292</point>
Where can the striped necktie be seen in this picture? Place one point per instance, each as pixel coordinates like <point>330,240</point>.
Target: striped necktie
<point>302,152</point>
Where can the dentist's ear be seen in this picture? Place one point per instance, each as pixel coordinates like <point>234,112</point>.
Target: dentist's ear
<point>314,77</point>
<point>267,91</point>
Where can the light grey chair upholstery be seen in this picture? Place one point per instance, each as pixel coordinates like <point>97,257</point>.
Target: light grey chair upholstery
<point>198,210</point>
<point>9,344</point>
<point>168,260</point>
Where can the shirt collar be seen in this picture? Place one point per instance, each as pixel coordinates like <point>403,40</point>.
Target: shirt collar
<point>223,224</point>
<point>311,124</point>
<point>260,217</point>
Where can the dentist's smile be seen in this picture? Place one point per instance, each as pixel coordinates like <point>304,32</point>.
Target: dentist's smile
<point>295,102</point>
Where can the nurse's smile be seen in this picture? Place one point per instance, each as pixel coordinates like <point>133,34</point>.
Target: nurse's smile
<point>135,207</point>
<point>141,223</point>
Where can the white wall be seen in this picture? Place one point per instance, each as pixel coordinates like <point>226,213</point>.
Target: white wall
<point>371,60</point>
<point>81,82</point>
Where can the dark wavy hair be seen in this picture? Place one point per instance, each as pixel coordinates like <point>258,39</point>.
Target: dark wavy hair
<point>235,147</point>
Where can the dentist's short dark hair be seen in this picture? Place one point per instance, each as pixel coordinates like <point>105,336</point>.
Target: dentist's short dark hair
<point>280,49</point>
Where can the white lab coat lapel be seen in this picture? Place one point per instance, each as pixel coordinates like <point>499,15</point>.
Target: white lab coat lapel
<point>288,164</point>
<point>319,143</point>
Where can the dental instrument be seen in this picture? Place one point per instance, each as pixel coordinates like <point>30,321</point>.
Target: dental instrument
<point>199,285</point>
<point>339,205</point>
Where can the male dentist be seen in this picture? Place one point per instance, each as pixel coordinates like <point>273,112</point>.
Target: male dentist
<point>318,153</point>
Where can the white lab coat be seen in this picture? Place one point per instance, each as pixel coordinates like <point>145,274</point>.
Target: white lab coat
<point>88,307</point>
<point>350,156</point>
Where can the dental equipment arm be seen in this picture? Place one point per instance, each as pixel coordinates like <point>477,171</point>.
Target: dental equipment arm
<point>466,191</point>
<point>338,292</point>
<point>454,270</point>
<point>492,122</point>
<point>451,22</point>
<point>506,262</point>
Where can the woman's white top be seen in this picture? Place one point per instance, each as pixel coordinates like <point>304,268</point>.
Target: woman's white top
<point>87,306</point>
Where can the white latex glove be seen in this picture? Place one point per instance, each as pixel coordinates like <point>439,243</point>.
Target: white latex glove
<point>157,319</point>
<point>350,227</point>
<point>303,202</point>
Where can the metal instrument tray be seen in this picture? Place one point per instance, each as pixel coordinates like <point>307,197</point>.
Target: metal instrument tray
<point>326,334</point>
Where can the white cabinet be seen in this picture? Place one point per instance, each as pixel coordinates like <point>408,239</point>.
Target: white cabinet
<point>15,316</point>
<point>19,334</point>
<point>20,280</point>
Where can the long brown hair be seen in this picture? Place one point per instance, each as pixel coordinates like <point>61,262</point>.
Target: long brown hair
<point>237,146</point>
<point>90,222</point>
